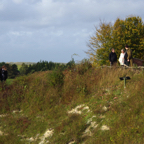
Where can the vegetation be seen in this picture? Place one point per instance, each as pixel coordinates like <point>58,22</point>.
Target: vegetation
<point>107,36</point>
<point>16,69</point>
<point>43,66</point>
<point>43,103</point>
<point>12,70</point>
<point>19,64</point>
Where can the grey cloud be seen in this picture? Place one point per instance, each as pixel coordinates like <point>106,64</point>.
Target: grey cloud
<point>55,29</point>
<point>17,12</point>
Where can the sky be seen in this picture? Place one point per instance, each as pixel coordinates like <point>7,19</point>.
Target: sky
<point>56,30</point>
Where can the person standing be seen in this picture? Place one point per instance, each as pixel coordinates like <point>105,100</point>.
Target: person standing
<point>3,73</point>
<point>113,57</point>
<point>121,58</point>
<point>128,56</point>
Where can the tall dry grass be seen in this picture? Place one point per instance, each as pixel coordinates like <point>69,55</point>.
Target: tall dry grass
<point>45,98</point>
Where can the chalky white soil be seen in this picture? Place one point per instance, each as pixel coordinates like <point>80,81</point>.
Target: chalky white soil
<point>80,109</point>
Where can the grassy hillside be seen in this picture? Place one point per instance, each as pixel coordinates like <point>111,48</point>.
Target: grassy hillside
<point>77,106</point>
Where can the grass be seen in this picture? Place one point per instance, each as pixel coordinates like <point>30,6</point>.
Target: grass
<point>9,81</point>
<point>43,99</point>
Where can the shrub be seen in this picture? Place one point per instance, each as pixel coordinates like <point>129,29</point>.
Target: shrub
<point>56,78</point>
<point>84,66</point>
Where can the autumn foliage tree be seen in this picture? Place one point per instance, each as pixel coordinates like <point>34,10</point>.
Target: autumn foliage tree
<point>129,31</point>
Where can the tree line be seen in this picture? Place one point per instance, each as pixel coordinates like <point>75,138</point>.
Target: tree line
<point>31,68</point>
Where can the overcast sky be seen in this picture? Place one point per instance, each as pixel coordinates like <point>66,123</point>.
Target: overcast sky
<point>54,30</point>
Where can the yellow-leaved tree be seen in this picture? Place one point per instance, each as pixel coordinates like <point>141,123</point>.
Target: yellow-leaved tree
<point>107,36</point>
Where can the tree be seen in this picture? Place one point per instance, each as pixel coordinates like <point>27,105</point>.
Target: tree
<point>15,70</point>
<point>129,31</point>
<point>70,63</point>
<point>2,63</point>
<point>12,71</point>
<point>24,69</point>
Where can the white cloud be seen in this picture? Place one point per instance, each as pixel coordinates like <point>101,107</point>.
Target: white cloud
<point>17,1</point>
<point>20,33</point>
<point>57,33</point>
<point>1,6</point>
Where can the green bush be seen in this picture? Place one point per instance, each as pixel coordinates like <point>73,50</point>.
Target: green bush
<point>56,78</point>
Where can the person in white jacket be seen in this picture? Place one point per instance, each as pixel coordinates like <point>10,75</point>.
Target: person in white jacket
<point>121,58</point>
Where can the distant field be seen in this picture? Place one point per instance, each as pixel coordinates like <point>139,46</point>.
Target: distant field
<point>18,66</point>
<point>20,63</point>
